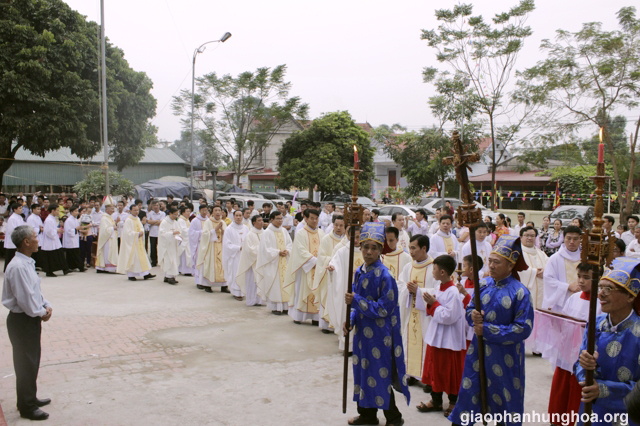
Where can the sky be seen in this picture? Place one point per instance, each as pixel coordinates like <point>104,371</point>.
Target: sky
<point>365,57</point>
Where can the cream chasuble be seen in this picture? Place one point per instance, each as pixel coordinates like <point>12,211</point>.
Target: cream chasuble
<point>210,252</point>
<point>321,279</point>
<point>133,257</point>
<point>395,261</point>
<point>184,246</point>
<point>248,258</point>
<point>301,271</point>
<point>270,267</point>
<point>536,260</point>
<point>168,247</point>
<point>107,254</point>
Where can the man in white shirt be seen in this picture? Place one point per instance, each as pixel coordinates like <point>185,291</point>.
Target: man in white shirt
<point>28,308</point>
<point>253,211</point>
<point>325,216</point>
<point>520,224</point>
<point>287,219</point>
<point>561,274</point>
<point>419,225</point>
<point>629,236</point>
<point>633,248</point>
<point>483,249</point>
<point>435,225</point>
<point>154,219</point>
<point>119,217</point>
<point>4,205</point>
<point>13,222</point>
<point>609,221</point>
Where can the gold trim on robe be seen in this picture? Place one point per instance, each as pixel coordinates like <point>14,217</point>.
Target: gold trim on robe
<point>415,334</point>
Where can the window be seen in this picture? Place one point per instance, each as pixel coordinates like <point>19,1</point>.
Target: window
<point>392,178</point>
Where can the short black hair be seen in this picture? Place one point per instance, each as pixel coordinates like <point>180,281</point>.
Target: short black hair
<point>14,206</point>
<point>469,259</point>
<point>482,225</point>
<point>274,214</point>
<point>309,212</point>
<point>584,267</point>
<point>34,206</point>
<point>52,207</point>
<point>446,262</point>
<point>74,207</point>
<point>571,229</point>
<point>254,218</point>
<point>610,219</point>
<point>246,209</point>
<point>172,210</point>
<point>266,205</point>
<point>528,228</point>
<point>423,241</point>
<point>422,212</point>
<point>621,245</point>
<point>332,205</point>
<point>634,217</point>
<point>250,203</point>
<point>337,217</point>
<point>169,196</point>
<point>395,216</point>
<point>445,217</point>
<point>392,230</point>
<point>376,212</point>
<point>183,209</point>
<point>203,206</point>
<point>521,213</point>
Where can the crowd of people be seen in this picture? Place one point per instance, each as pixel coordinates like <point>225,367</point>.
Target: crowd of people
<point>412,306</point>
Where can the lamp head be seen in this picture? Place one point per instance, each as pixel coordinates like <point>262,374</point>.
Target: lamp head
<point>225,37</point>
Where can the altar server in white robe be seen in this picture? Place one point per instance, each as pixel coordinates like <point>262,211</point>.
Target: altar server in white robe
<point>397,258</point>
<point>232,249</point>
<point>120,217</point>
<point>339,282</point>
<point>168,245</point>
<point>443,241</point>
<point>271,265</point>
<point>246,277</point>
<point>71,240</point>
<point>184,248</point>
<point>52,255</point>
<point>483,247</point>
<point>399,223</point>
<point>107,253</point>
<point>321,279</point>
<point>13,222</point>
<point>560,275</point>
<point>133,259</point>
<point>415,279</point>
<point>301,270</point>
<point>210,263</point>
<point>35,221</point>
<point>195,233</point>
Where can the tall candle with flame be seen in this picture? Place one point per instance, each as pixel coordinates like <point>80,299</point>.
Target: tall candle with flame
<point>601,147</point>
<point>355,157</point>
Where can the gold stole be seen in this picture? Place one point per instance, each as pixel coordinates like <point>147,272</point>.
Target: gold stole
<point>570,271</point>
<point>414,330</point>
<point>392,262</point>
<point>314,246</point>
<point>139,247</point>
<point>448,243</point>
<point>282,262</point>
<point>217,253</point>
<point>358,260</point>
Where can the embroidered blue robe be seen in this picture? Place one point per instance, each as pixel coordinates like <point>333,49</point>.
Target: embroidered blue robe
<point>378,357</point>
<point>618,365</point>
<point>508,321</point>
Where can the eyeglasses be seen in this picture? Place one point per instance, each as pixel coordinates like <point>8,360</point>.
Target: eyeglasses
<point>529,235</point>
<point>605,290</point>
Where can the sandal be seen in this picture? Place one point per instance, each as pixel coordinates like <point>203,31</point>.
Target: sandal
<point>449,409</point>
<point>425,408</point>
<point>359,421</point>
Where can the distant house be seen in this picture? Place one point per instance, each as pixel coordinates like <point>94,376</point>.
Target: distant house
<point>485,149</point>
<point>60,170</point>
<point>387,173</point>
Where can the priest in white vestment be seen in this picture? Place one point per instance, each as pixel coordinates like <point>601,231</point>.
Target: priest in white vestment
<point>246,277</point>
<point>415,279</point>
<point>184,248</point>
<point>338,284</point>
<point>195,234</point>
<point>107,253</point>
<point>120,217</point>
<point>133,259</point>
<point>271,265</point>
<point>321,279</point>
<point>443,241</point>
<point>209,261</point>
<point>301,271</point>
<point>560,274</point>
<point>168,242</point>
<point>483,248</point>
<point>397,258</point>
<point>232,249</point>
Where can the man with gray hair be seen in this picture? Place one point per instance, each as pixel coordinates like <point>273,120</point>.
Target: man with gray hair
<point>21,294</point>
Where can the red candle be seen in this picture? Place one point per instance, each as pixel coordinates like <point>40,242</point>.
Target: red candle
<point>355,157</point>
<point>601,153</point>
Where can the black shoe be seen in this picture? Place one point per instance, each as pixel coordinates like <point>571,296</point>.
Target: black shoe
<point>170,281</point>
<point>276,312</point>
<point>200,287</point>
<point>316,323</point>
<point>65,272</point>
<point>187,275</point>
<point>132,279</point>
<point>43,402</point>
<point>296,322</point>
<point>51,274</point>
<point>82,269</point>
<point>149,276</point>
<point>208,290</point>
<point>100,271</point>
<point>36,414</point>
<point>224,289</point>
<point>327,331</point>
<point>536,354</point>
<point>397,422</point>
<point>411,381</point>
<point>286,312</point>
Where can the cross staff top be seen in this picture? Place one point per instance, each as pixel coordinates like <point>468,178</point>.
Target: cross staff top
<point>460,160</point>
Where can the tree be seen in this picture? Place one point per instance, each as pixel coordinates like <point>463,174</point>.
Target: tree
<point>49,88</point>
<point>420,155</point>
<point>94,183</point>
<point>486,55</point>
<point>587,77</point>
<point>578,180</point>
<point>204,149</point>
<point>241,115</point>
<point>322,155</point>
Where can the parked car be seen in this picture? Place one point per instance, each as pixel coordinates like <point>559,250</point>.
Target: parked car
<point>242,201</point>
<point>430,204</point>
<point>567,213</point>
<point>273,196</point>
<point>386,212</point>
<point>341,199</point>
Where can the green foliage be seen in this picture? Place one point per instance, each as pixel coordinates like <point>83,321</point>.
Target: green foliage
<point>240,115</point>
<point>94,184</point>
<point>204,150</point>
<point>421,154</point>
<point>49,86</point>
<point>322,155</point>
<point>577,180</point>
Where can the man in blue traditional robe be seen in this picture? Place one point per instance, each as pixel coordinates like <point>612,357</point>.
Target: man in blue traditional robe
<point>378,358</point>
<point>616,359</point>
<point>506,321</point>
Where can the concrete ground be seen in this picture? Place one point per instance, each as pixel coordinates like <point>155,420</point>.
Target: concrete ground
<point>117,352</point>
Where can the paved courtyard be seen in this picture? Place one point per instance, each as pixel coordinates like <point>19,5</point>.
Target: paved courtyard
<point>147,353</point>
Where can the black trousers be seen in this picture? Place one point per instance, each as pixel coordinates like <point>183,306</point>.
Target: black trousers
<point>146,240</point>
<point>85,249</point>
<point>8,255</point>
<point>153,241</point>
<point>24,333</point>
<point>436,397</point>
<point>392,414</point>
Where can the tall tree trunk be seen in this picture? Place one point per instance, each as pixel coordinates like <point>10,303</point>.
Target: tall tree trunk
<point>628,208</point>
<point>8,156</point>
<point>493,164</point>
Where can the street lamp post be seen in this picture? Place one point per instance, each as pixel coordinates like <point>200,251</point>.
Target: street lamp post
<point>200,49</point>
